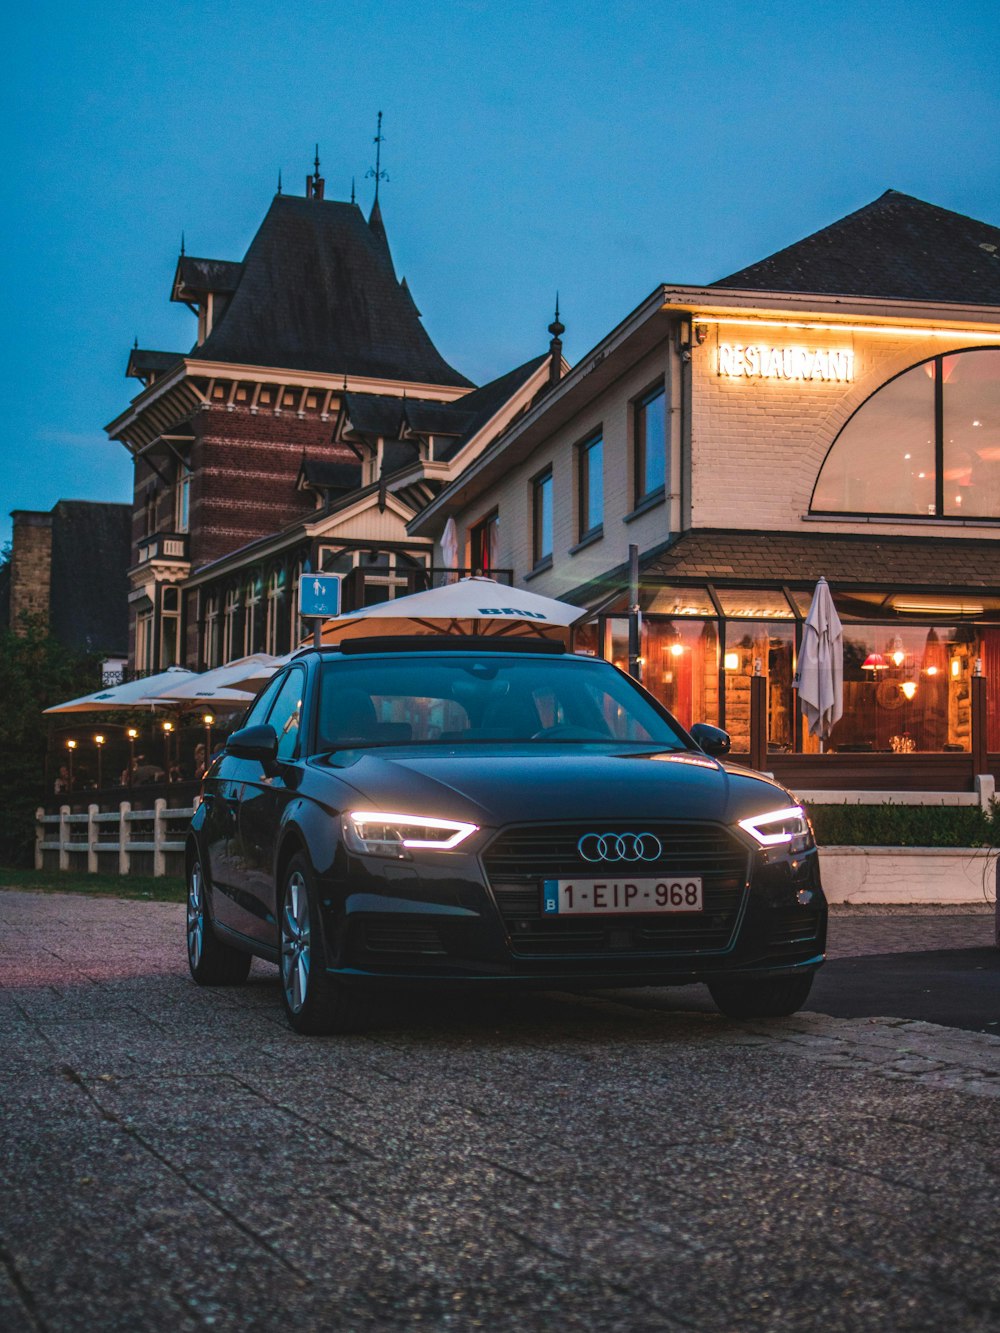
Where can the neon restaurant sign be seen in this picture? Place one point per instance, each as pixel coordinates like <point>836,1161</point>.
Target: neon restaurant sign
<point>739,361</point>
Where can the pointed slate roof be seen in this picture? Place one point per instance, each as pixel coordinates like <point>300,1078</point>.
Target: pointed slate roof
<point>318,292</point>
<point>897,247</point>
<point>483,403</point>
<point>455,422</point>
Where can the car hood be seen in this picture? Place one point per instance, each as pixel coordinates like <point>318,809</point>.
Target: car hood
<point>493,785</point>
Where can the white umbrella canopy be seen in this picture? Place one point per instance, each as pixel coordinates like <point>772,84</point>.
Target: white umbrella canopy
<point>820,678</point>
<point>468,606</point>
<point>130,694</point>
<point>236,682</point>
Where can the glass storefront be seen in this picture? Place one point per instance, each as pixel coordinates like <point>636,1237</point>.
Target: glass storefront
<point>907,687</point>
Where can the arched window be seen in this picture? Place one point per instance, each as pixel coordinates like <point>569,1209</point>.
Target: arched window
<point>927,443</point>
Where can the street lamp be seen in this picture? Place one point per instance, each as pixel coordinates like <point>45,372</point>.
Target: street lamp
<point>71,746</point>
<point>99,742</point>
<point>167,729</point>
<point>208,719</point>
<point>133,735</point>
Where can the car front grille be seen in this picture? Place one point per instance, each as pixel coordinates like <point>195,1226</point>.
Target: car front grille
<point>520,858</point>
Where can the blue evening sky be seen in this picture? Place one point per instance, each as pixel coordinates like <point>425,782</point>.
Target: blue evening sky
<point>591,147</point>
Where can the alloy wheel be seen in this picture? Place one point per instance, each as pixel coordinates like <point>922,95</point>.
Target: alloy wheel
<point>195,915</point>
<point>295,942</point>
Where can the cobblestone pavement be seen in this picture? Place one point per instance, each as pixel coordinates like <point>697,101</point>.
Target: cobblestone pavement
<point>175,1158</point>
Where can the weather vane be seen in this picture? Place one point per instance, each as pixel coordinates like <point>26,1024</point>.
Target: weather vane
<point>376,171</point>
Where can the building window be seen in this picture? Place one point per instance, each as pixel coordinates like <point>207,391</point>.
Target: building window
<point>149,511</point>
<point>144,641</point>
<point>251,620</point>
<point>170,627</point>
<point>541,517</point>
<point>650,445</point>
<point>484,542</point>
<point>210,643</point>
<point>590,473</point>
<point>182,494</point>
<point>275,593</point>
<point>230,625</point>
<point>927,443</point>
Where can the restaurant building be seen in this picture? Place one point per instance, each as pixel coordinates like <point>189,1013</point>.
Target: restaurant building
<point>833,410</point>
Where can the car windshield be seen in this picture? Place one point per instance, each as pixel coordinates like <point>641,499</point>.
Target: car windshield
<point>442,699</point>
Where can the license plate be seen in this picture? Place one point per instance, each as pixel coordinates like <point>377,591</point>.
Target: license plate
<point>581,897</point>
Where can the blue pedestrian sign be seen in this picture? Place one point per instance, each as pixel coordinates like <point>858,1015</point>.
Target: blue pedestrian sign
<point>319,595</point>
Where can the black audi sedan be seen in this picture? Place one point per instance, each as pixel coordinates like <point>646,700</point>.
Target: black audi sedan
<point>466,812</point>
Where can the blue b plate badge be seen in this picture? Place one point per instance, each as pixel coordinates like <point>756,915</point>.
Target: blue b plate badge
<point>605,897</point>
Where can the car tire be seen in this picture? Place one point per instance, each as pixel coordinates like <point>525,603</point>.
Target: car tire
<point>770,997</point>
<point>212,962</point>
<point>315,1003</point>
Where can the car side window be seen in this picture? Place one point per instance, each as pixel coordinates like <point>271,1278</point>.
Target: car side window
<point>286,713</point>
<point>261,705</point>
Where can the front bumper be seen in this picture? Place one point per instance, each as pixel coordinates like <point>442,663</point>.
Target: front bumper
<point>477,920</point>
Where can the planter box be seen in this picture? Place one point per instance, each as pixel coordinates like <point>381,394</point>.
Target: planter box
<point>909,874</point>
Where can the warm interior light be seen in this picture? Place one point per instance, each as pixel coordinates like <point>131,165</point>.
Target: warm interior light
<point>931,671</point>
<point>732,661</point>
<point>874,662</point>
<point>751,321</point>
<point>938,606</point>
<point>909,688</point>
<point>956,666</point>
<point>676,649</point>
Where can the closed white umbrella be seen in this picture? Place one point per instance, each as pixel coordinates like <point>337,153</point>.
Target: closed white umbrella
<point>470,606</point>
<point>130,694</point>
<point>820,678</point>
<point>449,549</point>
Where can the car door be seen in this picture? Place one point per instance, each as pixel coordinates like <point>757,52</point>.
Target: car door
<point>226,858</point>
<point>262,802</point>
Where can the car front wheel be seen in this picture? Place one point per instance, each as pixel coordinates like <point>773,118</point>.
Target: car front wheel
<point>315,1003</point>
<point>770,997</point>
<point>212,962</point>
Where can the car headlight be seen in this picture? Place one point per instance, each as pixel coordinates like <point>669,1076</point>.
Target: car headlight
<point>378,833</point>
<point>789,827</point>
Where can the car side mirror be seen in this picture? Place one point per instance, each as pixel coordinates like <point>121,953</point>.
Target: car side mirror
<point>713,740</point>
<point>259,743</point>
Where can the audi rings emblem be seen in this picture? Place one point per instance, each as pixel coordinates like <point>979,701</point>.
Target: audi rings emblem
<point>595,847</point>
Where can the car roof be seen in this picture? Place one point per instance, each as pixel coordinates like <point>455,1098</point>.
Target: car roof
<point>438,643</point>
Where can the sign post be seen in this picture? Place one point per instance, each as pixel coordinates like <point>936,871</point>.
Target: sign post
<point>319,599</point>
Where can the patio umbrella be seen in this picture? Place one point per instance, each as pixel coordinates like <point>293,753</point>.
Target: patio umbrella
<point>130,694</point>
<point>820,679</point>
<point>469,606</point>
<point>236,682</point>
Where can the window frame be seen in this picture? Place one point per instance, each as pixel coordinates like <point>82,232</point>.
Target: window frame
<point>585,528</point>
<point>542,559</point>
<point>939,515</point>
<point>476,533</point>
<point>640,452</point>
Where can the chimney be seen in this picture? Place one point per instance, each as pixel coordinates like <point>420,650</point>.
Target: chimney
<point>30,567</point>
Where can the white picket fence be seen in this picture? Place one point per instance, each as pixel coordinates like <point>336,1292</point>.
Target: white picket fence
<point>79,836</point>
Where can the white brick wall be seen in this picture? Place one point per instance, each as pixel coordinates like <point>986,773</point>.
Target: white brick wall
<point>758,445</point>
<point>756,450</point>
